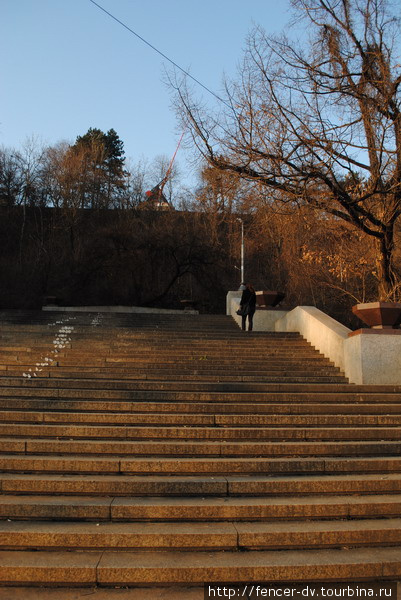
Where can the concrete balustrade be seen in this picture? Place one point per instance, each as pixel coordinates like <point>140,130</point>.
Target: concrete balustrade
<point>324,333</point>
<point>366,356</point>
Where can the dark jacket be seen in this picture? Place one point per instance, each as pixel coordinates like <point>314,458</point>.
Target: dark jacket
<point>249,298</point>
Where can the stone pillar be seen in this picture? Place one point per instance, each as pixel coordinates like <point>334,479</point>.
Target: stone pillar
<point>373,356</point>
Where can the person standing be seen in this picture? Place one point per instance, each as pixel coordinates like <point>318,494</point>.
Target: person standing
<point>248,306</point>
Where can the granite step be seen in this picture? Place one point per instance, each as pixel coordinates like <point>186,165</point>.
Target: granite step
<point>121,368</point>
<point>97,593</point>
<point>207,393</point>
<point>155,456</point>
<point>223,410</point>
<point>216,422</point>
<point>106,419</point>
<point>212,465</point>
<point>255,425</point>
<point>191,431</point>
<point>128,342</point>
<point>121,485</point>
<point>194,448</point>
<point>183,391</point>
<point>17,385</point>
<point>200,536</point>
<point>195,376</point>
<point>108,336</point>
<point>108,569</point>
<point>129,337</point>
<point>64,359</point>
<point>135,345</point>
<point>162,485</point>
<point>228,361</point>
<point>208,509</point>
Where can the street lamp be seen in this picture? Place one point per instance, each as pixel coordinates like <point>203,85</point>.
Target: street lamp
<point>242,250</point>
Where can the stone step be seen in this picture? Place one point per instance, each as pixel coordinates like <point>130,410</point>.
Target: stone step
<point>108,419</point>
<point>122,367</point>
<point>122,485</point>
<point>208,509</point>
<point>108,569</point>
<point>60,385</point>
<point>72,463</point>
<point>197,485</point>
<point>178,376</point>
<point>103,335</point>
<point>97,593</point>
<point>197,344</point>
<point>129,338</point>
<point>193,432</point>
<point>194,375</point>
<point>120,370</point>
<point>147,433</point>
<point>192,349</point>
<point>87,349</point>
<point>208,408</point>
<point>194,448</point>
<point>114,357</point>
<point>332,421</point>
<point>240,392</point>
<point>126,390</point>
<point>100,334</point>
<point>277,362</point>
<point>198,367</point>
<point>139,322</point>
<point>197,355</point>
<point>122,536</point>
<point>353,392</point>
<point>333,424</point>
<point>141,391</point>
<point>203,536</point>
<point>131,332</point>
<point>65,358</point>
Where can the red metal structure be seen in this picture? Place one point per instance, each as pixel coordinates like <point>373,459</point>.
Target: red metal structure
<point>156,194</point>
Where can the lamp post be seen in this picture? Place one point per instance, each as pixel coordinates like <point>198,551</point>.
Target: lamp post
<point>242,250</point>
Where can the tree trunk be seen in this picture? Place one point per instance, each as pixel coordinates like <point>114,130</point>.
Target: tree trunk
<point>384,263</point>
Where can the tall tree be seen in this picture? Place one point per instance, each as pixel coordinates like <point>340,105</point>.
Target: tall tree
<point>318,120</point>
<point>103,178</point>
<point>11,180</point>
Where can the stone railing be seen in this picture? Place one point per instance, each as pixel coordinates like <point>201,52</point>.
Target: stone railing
<point>366,356</point>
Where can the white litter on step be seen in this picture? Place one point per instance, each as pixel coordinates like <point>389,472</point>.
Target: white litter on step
<point>59,343</point>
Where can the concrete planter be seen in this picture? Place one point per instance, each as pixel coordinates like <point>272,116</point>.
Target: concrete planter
<point>269,298</point>
<point>379,315</point>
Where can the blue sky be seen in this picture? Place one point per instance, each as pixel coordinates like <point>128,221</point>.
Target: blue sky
<point>66,66</point>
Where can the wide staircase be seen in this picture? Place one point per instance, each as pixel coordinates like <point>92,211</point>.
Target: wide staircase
<point>144,455</point>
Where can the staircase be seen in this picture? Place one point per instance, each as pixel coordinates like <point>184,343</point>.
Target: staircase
<point>158,452</point>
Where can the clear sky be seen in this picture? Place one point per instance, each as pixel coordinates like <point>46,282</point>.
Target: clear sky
<point>66,66</point>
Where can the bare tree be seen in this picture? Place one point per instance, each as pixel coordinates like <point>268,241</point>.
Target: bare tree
<point>219,192</point>
<point>317,121</point>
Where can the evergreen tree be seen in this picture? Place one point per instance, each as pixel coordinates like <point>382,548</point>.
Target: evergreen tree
<point>103,177</point>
